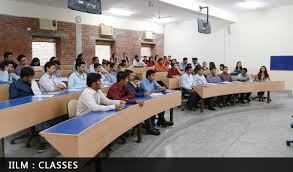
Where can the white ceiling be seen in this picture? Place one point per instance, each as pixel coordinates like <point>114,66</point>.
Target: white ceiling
<point>231,5</point>
<point>144,12</point>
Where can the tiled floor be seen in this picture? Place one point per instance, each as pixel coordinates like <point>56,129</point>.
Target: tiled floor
<point>250,130</point>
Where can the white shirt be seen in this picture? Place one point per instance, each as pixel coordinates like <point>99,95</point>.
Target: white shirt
<point>35,88</point>
<point>90,100</point>
<point>92,69</point>
<point>186,81</point>
<point>48,82</point>
<point>200,80</point>
<point>139,63</point>
<point>77,81</point>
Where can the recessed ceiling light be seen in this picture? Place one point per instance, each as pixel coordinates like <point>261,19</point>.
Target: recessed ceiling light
<point>120,12</point>
<point>162,20</point>
<point>251,4</point>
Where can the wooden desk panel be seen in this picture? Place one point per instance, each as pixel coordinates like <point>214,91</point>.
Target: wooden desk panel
<point>171,83</point>
<point>234,88</point>
<point>92,140</point>
<point>66,67</point>
<point>4,92</point>
<point>65,73</point>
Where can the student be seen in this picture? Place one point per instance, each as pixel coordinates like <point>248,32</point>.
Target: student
<point>114,58</point>
<point>222,67</point>
<point>244,77</point>
<point>6,72</point>
<point>200,80</point>
<point>57,72</point>
<point>8,56</point>
<point>134,85</point>
<point>95,60</point>
<point>79,58</point>
<point>124,57</point>
<point>145,59</point>
<point>238,69</point>
<point>183,65</point>
<point>213,78</point>
<point>93,99</point>
<point>160,66</point>
<point>261,77</point>
<point>166,61</point>
<point>151,86</point>
<point>205,69</point>
<point>123,64</point>
<point>77,80</point>
<point>174,61</point>
<point>112,76</point>
<point>98,70</point>
<point>186,85</point>
<point>194,63</point>
<point>174,71</point>
<point>35,62</point>
<point>151,62</point>
<point>52,59</point>
<point>48,82</point>
<point>22,63</point>
<point>225,76</point>
<point>137,62</point>
<point>22,87</point>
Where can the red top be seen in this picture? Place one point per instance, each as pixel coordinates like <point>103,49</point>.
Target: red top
<point>150,64</point>
<point>173,72</point>
<point>118,92</point>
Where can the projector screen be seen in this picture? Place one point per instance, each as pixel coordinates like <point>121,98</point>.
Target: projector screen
<point>88,6</point>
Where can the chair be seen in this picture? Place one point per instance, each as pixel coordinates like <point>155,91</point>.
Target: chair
<point>71,108</point>
<point>184,100</point>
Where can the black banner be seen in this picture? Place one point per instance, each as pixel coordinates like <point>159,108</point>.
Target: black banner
<point>149,164</point>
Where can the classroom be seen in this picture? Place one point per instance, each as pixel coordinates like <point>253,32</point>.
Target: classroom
<point>146,78</point>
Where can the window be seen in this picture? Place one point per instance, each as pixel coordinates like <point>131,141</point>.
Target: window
<point>44,51</point>
<point>103,52</point>
<point>146,51</point>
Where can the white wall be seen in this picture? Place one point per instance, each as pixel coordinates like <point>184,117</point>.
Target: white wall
<point>259,35</point>
<point>253,39</point>
<point>33,10</point>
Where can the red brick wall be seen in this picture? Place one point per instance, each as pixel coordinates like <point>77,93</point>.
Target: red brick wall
<point>15,38</point>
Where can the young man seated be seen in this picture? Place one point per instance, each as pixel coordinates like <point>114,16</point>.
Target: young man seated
<point>174,71</point>
<point>93,99</point>
<point>186,85</point>
<point>119,91</point>
<point>226,77</point>
<point>50,83</point>
<point>150,85</point>
<point>244,77</point>
<point>160,66</point>
<point>22,63</point>
<point>213,78</point>
<point>200,80</point>
<point>23,88</point>
<point>134,86</point>
<point>112,76</point>
<point>137,62</point>
<point>77,80</point>
<point>7,72</point>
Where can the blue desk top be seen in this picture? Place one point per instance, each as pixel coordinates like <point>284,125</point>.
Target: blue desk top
<point>30,99</point>
<point>79,123</point>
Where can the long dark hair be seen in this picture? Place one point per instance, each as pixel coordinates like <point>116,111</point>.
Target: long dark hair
<point>35,60</point>
<point>265,72</point>
<point>236,68</point>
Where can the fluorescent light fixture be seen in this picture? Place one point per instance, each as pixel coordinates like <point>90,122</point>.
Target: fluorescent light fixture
<point>162,20</point>
<point>120,12</point>
<point>251,4</point>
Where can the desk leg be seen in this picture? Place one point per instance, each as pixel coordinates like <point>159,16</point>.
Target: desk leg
<point>201,105</point>
<point>171,114</point>
<point>139,133</point>
<point>234,99</point>
<point>269,97</point>
<point>2,150</point>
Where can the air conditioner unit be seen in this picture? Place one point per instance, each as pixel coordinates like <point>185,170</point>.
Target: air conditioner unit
<point>48,24</point>
<point>150,35</point>
<point>106,30</point>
